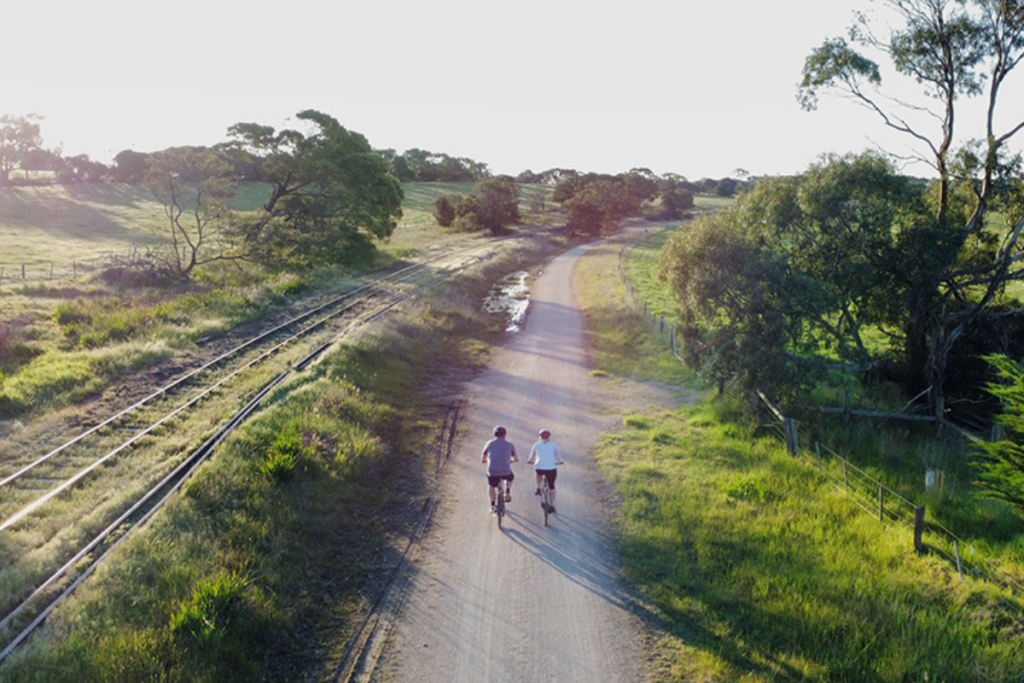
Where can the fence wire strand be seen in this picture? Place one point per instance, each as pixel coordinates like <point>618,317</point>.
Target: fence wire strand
<point>894,509</point>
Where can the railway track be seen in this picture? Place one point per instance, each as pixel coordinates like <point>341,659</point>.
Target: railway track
<point>85,496</point>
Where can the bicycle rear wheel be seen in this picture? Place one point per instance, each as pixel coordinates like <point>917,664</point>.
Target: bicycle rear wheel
<point>545,500</point>
<point>499,505</point>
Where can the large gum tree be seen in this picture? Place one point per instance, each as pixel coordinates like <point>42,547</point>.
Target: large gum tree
<point>953,50</point>
<point>330,197</point>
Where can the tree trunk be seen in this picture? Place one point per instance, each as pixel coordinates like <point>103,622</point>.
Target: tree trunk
<point>917,349</point>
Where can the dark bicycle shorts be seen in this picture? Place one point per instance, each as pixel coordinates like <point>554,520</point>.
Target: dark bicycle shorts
<point>550,476</point>
<point>493,481</point>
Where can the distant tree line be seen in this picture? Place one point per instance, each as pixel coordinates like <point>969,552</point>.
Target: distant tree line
<point>331,194</point>
<point>21,149</point>
<point>594,203</point>
<point>419,165</point>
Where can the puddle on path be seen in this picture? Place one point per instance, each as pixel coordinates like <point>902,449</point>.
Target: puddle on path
<point>511,297</point>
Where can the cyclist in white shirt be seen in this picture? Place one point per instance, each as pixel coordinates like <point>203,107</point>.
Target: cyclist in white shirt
<point>545,454</point>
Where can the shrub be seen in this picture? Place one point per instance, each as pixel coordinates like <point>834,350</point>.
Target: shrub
<point>444,211</point>
<point>72,313</point>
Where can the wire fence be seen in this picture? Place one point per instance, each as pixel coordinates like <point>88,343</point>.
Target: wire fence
<point>891,508</point>
<point>14,275</point>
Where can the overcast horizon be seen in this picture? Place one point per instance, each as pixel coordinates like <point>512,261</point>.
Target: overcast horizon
<point>699,89</point>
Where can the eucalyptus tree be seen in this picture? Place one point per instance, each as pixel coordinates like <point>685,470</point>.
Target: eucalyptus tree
<point>952,49</point>
<point>19,137</point>
<point>796,274</point>
<point>499,203</point>
<point>331,194</point>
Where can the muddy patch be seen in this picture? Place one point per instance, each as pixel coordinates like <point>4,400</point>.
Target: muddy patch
<point>509,297</point>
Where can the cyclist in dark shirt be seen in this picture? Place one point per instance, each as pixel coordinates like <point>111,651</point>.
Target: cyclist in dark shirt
<point>499,454</point>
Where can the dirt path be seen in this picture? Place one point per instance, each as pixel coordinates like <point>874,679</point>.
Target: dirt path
<point>527,602</point>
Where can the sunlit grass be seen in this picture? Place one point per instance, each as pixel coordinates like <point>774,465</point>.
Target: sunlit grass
<point>46,320</point>
<point>755,568</point>
<point>254,574</point>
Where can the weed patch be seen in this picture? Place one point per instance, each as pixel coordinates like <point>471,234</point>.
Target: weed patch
<point>205,617</point>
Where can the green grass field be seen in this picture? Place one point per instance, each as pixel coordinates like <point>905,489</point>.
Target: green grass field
<point>65,334</point>
<point>753,567</point>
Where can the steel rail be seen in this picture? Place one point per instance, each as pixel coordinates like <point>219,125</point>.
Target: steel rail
<point>183,471</point>
<point>396,276</point>
<point>78,476</point>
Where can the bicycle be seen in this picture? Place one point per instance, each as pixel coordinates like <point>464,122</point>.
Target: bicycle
<point>545,498</point>
<point>499,502</point>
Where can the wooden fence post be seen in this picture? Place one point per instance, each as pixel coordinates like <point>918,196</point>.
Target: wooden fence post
<point>846,477</point>
<point>672,338</point>
<point>22,271</point>
<point>51,270</point>
<point>959,566</point>
<point>881,503</point>
<point>817,449</point>
<point>918,528</point>
<point>789,427</point>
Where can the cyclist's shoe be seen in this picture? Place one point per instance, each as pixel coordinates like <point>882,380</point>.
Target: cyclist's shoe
<point>537,492</point>
<point>508,497</point>
<point>494,510</point>
<point>551,509</point>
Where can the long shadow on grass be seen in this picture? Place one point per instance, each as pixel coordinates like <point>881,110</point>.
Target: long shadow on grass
<point>809,610</point>
<point>66,219</point>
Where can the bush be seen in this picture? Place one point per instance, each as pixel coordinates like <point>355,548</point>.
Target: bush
<point>444,211</point>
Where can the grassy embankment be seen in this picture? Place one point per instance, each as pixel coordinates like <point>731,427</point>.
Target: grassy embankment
<point>260,569</point>
<point>754,568</point>
<point>66,338</point>
<point>896,453</point>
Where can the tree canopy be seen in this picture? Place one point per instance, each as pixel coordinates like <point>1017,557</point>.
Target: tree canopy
<point>493,206</point>
<point>19,137</point>
<point>792,276</point>
<point>499,203</point>
<point>420,165</point>
<point>596,203</point>
<point>952,49</point>
<point>331,194</point>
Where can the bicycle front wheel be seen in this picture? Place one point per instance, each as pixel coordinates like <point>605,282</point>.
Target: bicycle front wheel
<point>545,501</point>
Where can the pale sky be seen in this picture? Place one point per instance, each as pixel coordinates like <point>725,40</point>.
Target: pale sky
<point>696,88</point>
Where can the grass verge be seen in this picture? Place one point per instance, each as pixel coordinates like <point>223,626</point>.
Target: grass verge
<point>752,566</point>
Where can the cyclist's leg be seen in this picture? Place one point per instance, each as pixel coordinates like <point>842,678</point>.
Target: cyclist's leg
<point>508,486</point>
<point>551,474</point>
<point>492,483</point>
